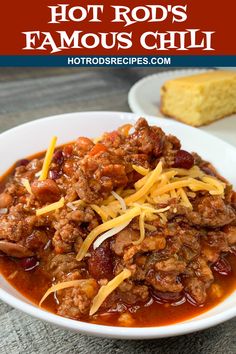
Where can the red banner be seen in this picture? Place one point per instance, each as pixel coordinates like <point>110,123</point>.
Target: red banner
<point>73,27</point>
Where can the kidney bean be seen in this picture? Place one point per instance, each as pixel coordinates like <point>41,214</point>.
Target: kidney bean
<point>183,159</point>
<point>29,263</point>
<point>222,267</point>
<point>58,157</point>
<point>46,191</point>
<point>15,249</point>
<point>101,262</point>
<point>23,162</point>
<point>53,174</point>
<point>84,144</point>
<point>5,200</point>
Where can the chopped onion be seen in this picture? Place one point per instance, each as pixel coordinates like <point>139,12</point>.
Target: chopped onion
<point>3,211</point>
<point>109,234</point>
<point>120,200</point>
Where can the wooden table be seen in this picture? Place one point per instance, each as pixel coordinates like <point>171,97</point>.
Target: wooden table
<point>28,94</point>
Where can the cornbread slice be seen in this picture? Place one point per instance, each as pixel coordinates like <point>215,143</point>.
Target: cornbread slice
<point>200,99</point>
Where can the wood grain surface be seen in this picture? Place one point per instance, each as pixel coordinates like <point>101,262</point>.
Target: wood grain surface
<point>28,94</point>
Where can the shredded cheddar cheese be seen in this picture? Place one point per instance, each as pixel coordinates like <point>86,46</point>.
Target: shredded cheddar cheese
<point>184,197</point>
<point>150,209</point>
<point>66,285</point>
<point>191,183</point>
<point>141,170</point>
<point>106,290</point>
<point>141,228</point>
<point>147,186</point>
<point>193,172</point>
<point>120,200</point>
<point>108,234</point>
<point>48,159</point>
<point>60,286</point>
<point>147,201</point>
<point>141,182</point>
<point>51,207</point>
<point>111,211</point>
<point>219,186</point>
<point>128,216</point>
<point>100,212</point>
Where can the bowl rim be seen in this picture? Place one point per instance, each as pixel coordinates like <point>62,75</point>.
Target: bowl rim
<point>179,328</point>
<point>114,331</point>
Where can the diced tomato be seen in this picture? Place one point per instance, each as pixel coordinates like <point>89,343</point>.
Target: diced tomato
<point>97,149</point>
<point>124,129</point>
<point>112,136</point>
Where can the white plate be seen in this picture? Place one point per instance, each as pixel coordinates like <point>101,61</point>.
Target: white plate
<point>144,99</point>
<point>33,137</point>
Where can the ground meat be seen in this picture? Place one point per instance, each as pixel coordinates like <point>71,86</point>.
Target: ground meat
<point>230,232</point>
<point>77,301</point>
<point>233,199</point>
<point>209,211</point>
<point>137,159</point>
<point>171,146</point>
<point>213,244</point>
<point>65,238</point>
<point>175,259</point>
<point>151,243</point>
<point>123,239</point>
<point>164,281</point>
<point>196,289</point>
<point>63,264</point>
<point>163,275</point>
<point>198,278</point>
<point>201,269</point>
<point>71,228</point>
<point>16,226</point>
<point>99,175</point>
<point>131,293</point>
<point>148,140</point>
<point>171,265</point>
<point>113,140</point>
<point>83,215</point>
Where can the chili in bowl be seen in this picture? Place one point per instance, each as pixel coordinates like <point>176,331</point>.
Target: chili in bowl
<point>120,231</point>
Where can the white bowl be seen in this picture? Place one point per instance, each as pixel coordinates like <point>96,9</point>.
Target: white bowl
<point>32,137</point>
